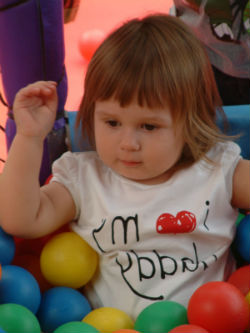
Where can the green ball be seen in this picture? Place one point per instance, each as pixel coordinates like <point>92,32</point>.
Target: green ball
<point>15,318</point>
<point>76,327</point>
<point>161,317</point>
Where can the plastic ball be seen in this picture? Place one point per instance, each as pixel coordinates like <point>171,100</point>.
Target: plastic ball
<point>108,319</point>
<point>188,329</point>
<point>2,331</point>
<point>219,307</point>
<point>161,317</point>
<point>29,246</point>
<point>76,327</point>
<point>67,260</point>
<point>126,330</point>
<point>241,279</point>
<point>7,248</point>
<point>89,41</point>
<point>242,238</point>
<point>19,319</point>
<point>60,305</point>
<point>19,286</point>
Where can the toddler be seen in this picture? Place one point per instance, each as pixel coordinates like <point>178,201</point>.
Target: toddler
<point>158,196</point>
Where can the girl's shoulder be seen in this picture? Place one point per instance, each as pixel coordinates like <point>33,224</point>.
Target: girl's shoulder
<point>73,163</point>
<point>225,153</point>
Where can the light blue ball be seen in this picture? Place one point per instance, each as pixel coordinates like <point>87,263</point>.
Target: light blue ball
<point>60,305</point>
<point>7,248</point>
<point>19,286</point>
<point>242,238</point>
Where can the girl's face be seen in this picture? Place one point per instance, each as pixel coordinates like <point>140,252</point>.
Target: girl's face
<point>137,142</point>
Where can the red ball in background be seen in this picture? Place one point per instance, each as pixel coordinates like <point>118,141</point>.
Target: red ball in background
<point>219,307</point>
<point>188,329</point>
<point>31,263</point>
<point>241,279</point>
<point>89,41</point>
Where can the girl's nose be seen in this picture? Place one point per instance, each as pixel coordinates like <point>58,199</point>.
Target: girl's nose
<point>129,141</point>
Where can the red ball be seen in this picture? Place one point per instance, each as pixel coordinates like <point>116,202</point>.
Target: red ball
<point>188,329</point>
<point>241,279</point>
<point>32,264</point>
<point>219,307</point>
<point>89,42</point>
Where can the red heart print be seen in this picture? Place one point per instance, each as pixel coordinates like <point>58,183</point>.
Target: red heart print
<point>183,222</point>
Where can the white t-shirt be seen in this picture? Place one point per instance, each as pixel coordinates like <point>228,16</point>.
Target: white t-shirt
<point>155,242</point>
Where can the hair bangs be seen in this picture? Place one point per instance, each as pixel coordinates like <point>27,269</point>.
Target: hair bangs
<point>130,69</point>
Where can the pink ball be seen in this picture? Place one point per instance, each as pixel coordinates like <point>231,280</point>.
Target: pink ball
<point>188,329</point>
<point>89,41</point>
<point>219,307</point>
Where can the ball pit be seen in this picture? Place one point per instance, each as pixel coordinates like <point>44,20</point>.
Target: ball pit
<point>219,307</point>
<point>108,319</point>
<point>57,313</point>
<point>60,305</point>
<point>19,286</point>
<point>67,260</point>
<point>161,316</point>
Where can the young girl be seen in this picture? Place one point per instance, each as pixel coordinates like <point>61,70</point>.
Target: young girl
<point>157,197</point>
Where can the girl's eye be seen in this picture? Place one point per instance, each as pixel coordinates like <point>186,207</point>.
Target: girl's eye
<point>149,127</point>
<point>112,123</point>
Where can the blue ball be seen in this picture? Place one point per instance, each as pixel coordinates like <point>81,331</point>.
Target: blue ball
<point>242,238</point>
<point>60,305</point>
<point>20,287</point>
<point>7,248</point>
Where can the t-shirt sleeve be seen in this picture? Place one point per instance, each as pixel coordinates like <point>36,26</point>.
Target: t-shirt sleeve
<point>230,158</point>
<point>65,171</point>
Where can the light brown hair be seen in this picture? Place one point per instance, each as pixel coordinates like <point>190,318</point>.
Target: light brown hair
<point>158,61</point>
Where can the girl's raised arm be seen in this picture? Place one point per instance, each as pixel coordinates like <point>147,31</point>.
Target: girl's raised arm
<point>26,209</point>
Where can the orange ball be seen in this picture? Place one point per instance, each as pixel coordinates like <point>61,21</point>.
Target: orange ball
<point>89,41</point>
<point>188,329</point>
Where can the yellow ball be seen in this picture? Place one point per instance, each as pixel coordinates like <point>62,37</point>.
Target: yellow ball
<point>108,320</point>
<point>67,260</point>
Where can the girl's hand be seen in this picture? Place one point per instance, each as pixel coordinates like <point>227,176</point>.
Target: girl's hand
<point>35,108</point>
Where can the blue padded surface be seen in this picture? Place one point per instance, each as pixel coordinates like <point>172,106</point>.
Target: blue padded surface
<point>238,117</point>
